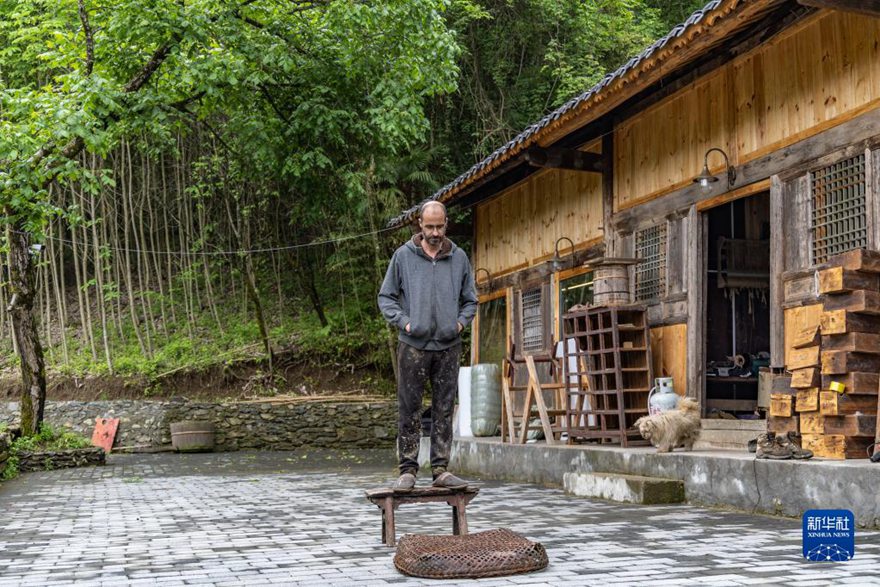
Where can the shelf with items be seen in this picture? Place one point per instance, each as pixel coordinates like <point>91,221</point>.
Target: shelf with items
<point>607,371</point>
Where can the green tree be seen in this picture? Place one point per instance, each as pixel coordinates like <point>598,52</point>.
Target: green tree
<point>293,91</point>
<point>523,58</point>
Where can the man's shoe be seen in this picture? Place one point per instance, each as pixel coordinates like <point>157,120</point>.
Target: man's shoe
<point>753,445</point>
<point>793,441</point>
<point>449,481</point>
<point>404,483</point>
<point>770,447</point>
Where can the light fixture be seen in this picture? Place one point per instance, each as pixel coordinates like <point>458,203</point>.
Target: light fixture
<point>705,179</point>
<point>557,260</point>
<point>488,275</point>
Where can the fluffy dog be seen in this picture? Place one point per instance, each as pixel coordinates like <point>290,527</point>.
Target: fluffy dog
<point>667,430</point>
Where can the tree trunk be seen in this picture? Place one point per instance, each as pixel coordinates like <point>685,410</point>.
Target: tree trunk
<point>309,277</point>
<point>21,291</point>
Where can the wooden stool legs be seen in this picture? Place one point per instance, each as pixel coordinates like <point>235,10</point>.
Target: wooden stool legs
<point>388,531</point>
<point>459,518</point>
<point>388,501</point>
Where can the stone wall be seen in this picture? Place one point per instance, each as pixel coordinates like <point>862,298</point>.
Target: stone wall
<point>60,459</point>
<point>259,425</point>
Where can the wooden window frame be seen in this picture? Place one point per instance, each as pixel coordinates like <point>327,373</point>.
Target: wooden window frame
<point>663,256</point>
<point>833,225</point>
<point>546,313</point>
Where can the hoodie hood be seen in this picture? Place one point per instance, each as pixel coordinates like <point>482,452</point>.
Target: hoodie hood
<point>446,247</point>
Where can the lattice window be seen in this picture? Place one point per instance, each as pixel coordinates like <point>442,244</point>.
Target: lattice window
<point>651,270</point>
<point>532,320</point>
<point>839,220</point>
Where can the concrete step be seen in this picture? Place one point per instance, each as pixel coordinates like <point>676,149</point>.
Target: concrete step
<point>624,488</point>
<point>728,434</point>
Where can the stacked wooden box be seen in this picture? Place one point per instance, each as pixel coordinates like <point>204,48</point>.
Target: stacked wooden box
<point>835,424</point>
<point>782,417</point>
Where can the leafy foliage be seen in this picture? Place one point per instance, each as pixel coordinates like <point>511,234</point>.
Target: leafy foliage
<point>47,439</point>
<point>280,123</point>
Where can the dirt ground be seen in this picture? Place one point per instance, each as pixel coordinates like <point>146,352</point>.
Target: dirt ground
<point>246,380</point>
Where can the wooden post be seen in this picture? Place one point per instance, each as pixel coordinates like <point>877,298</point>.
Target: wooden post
<point>608,194</point>
<point>695,285</point>
<point>872,197</point>
<point>777,266</point>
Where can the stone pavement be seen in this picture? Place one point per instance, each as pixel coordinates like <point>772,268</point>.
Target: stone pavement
<point>301,519</point>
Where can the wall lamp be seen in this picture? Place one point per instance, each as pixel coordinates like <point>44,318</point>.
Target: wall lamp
<point>557,260</point>
<point>705,178</point>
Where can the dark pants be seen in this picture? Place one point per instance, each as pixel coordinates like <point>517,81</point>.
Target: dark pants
<point>415,368</point>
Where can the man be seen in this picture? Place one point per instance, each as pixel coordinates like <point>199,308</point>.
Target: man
<point>428,295</point>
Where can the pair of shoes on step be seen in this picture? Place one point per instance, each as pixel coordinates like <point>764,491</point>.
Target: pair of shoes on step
<point>776,447</point>
<point>407,481</point>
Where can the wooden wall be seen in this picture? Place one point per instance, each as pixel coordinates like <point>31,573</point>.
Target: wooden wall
<point>520,227</point>
<point>803,81</point>
<point>669,354</point>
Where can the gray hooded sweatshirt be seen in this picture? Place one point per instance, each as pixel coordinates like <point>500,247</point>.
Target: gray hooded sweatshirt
<point>433,296</point>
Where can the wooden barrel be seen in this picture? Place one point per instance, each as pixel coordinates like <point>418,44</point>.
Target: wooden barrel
<point>611,285</point>
<point>192,436</point>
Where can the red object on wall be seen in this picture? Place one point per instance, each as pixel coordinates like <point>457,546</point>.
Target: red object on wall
<point>105,433</point>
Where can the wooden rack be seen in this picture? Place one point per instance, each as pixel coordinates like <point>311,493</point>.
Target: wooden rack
<point>607,372</point>
<point>517,417</point>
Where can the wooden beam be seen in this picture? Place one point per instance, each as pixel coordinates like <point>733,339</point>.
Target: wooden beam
<point>866,7</point>
<point>496,186</point>
<point>540,271</point>
<point>856,134</point>
<point>559,158</point>
<point>608,195</point>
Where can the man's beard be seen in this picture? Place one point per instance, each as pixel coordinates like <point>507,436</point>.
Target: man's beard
<point>434,241</point>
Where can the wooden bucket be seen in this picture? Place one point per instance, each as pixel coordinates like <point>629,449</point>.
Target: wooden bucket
<point>192,436</point>
<point>611,285</point>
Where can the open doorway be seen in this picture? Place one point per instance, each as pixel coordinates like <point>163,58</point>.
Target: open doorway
<point>737,305</point>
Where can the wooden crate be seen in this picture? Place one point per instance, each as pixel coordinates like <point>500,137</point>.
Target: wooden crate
<point>857,260</point>
<point>855,383</point>
<point>861,425</point>
<point>832,403</point>
<point>862,342</point>
<point>843,322</point>
<point>812,422</point>
<point>781,405</point>
<point>807,400</point>
<point>799,358</point>
<point>804,378</point>
<point>836,446</point>
<point>843,362</point>
<point>781,425</point>
<point>863,301</point>
<point>836,280</point>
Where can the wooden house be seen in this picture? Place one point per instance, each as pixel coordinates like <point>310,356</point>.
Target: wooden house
<point>780,99</point>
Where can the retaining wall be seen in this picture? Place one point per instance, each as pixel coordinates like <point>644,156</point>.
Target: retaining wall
<point>238,425</point>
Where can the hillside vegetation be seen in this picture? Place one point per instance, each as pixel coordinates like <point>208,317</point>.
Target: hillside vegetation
<point>203,186</point>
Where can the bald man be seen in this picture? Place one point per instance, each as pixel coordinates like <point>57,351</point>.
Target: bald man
<point>428,294</point>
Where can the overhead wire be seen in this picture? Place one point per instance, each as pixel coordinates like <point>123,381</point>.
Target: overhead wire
<point>219,253</point>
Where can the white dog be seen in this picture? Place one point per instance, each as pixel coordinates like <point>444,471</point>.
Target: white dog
<point>667,430</point>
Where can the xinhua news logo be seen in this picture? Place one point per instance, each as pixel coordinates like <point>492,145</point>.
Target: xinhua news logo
<point>829,535</point>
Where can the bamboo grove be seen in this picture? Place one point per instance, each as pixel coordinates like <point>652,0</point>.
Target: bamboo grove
<point>183,184</point>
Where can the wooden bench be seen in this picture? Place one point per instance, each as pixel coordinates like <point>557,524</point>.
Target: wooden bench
<point>388,501</point>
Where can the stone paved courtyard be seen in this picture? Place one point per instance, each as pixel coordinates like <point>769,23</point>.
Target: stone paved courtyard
<point>301,519</point>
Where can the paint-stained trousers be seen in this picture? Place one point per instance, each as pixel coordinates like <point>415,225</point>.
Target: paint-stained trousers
<point>415,368</point>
